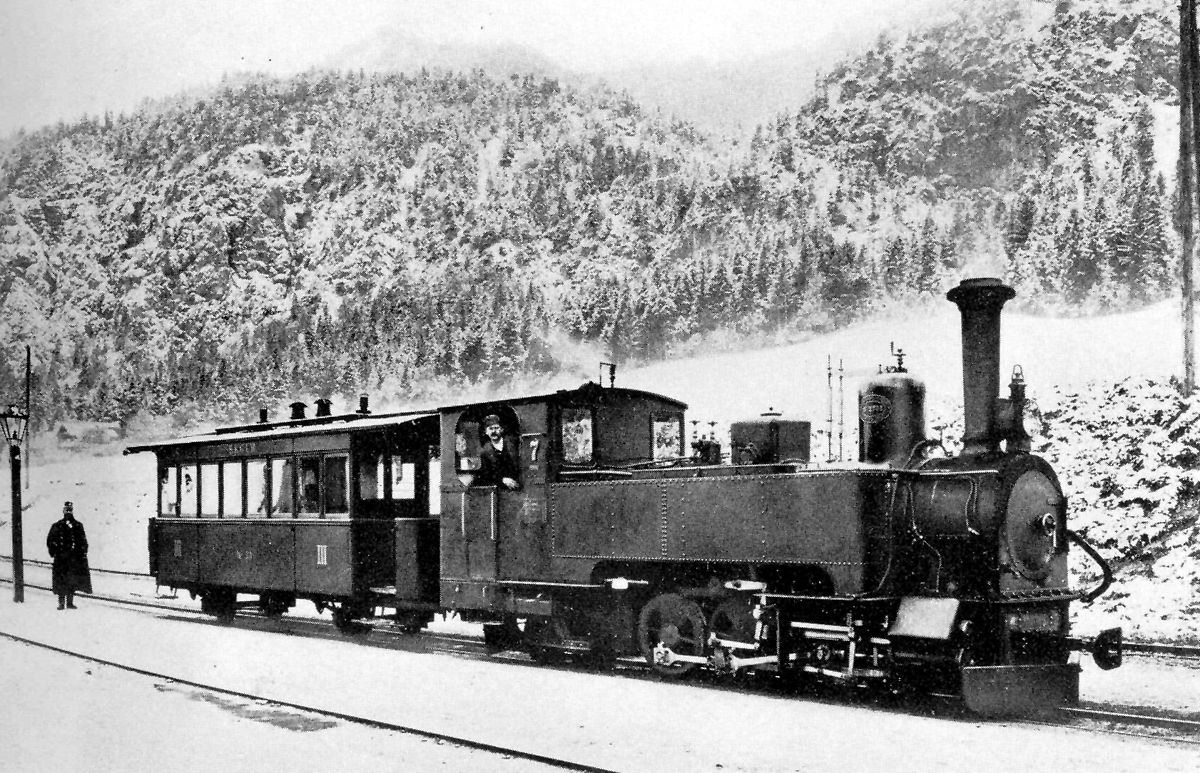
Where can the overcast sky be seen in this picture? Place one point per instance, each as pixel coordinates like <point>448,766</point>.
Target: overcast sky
<point>65,58</point>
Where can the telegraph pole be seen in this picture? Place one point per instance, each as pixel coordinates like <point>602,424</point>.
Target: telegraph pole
<point>1189,123</point>
<point>29,426</point>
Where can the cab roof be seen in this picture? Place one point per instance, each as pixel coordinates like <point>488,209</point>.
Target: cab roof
<point>589,391</point>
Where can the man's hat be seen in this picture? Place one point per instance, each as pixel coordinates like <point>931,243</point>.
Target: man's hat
<point>491,419</point>
<point>68,507</point>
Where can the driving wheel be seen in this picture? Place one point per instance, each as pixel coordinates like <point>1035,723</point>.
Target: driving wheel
<point>678,624</point>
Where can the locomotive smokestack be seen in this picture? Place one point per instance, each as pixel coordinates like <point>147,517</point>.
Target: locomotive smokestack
<point>980,301</point>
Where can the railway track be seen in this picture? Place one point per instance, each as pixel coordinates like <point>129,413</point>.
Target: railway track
<point>1123,720</point>
<point>1152,648</point>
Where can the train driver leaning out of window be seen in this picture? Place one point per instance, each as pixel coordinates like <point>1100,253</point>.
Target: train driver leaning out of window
<point>498,465</point>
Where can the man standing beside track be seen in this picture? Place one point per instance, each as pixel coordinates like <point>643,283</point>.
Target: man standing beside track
<point>67,543</point>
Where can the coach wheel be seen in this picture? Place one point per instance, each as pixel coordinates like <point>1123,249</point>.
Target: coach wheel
<point>413,622</point>
<point>272,605</point>
<point>540,636</point>
<point>343,619</point>
<point>502,634</point>
<point>675,622</point>
<point>220,602</point>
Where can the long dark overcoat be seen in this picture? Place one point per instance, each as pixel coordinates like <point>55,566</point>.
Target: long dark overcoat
<point>496,464</point>
<point>68,546</point>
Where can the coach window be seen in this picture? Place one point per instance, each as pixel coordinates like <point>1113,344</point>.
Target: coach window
<point>281,484</point>
<point>168,487</point>
<point>334,485</point>
<point>309,486</point>
<point>258,491</point>
<point>187,490</point>
<point>404,479</point>
<point>577,447</point>
<point>231,490</point>
<point>667,433</point>
<point>370,476</point>
<point>210,490</point>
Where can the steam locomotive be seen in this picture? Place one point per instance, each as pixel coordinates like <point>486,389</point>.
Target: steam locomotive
<point>909,568</point>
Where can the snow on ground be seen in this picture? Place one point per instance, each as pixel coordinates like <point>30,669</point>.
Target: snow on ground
<point>72,716</point>
<point>605,721</point>
<point>1124,447</point>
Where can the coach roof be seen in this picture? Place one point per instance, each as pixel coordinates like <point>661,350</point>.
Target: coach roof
<point>303,428</point>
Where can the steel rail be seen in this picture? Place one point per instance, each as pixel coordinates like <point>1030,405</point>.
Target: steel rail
<point>468,743</point>
<point>1189,726</point>
<point>91,568</point>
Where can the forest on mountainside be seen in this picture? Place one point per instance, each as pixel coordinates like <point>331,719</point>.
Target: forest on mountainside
<point>334,232</point>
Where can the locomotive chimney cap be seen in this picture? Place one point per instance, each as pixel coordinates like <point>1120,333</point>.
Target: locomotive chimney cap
<point>988,288</point>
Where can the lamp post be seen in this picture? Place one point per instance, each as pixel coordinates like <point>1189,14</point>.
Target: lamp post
<point>15,422</point>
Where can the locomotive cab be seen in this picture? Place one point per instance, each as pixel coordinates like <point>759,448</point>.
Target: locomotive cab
<point>498,541</point>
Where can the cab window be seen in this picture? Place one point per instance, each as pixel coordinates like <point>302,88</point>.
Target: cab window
<point>667,433</point>
<point>577,434</point>
<point>467,447</point>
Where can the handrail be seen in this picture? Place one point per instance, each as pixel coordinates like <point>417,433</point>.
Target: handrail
<point>1095,593</point>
